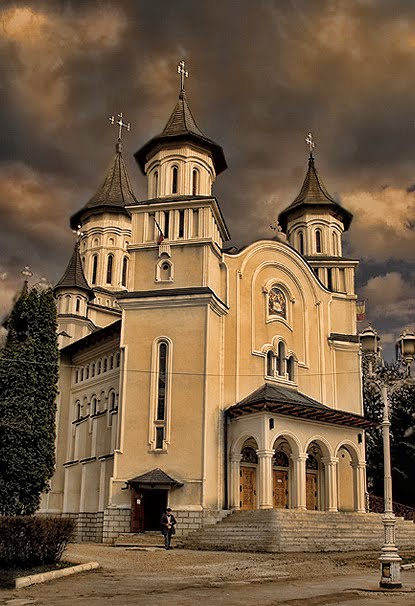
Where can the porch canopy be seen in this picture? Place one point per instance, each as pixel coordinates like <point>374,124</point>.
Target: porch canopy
<point>286,401</point>
<point>156,479</point>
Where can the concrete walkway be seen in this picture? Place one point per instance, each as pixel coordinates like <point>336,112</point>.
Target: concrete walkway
<point>195,578</point>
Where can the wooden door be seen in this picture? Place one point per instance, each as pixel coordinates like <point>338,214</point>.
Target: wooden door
<point>247,487</point>
<point>280,488</point>
<point>137,511</point>
<point>311,491</point>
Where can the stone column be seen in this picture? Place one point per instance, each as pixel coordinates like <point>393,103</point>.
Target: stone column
<point>330,466</point>
<point>299,485</point>
<point>265,478</point>
<point>359,486</point>
<point>234,481</point>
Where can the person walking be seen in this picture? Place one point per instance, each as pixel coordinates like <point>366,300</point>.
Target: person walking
<point>168,523</point>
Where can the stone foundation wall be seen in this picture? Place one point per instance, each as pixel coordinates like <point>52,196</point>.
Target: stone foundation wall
<point>115,522</point>
<point>188,521</point>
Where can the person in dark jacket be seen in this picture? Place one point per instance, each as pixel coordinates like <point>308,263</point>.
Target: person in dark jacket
<point>168,522</point>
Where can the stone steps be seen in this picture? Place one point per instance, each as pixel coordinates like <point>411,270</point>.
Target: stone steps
<point>290,530</point>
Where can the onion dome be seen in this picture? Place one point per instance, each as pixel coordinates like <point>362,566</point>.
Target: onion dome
<point>181,128</point>
<point>314,195</point>
<point>113,195</point>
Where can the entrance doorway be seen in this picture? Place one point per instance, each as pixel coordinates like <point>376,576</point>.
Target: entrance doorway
<point>280,475</point>
<point>247,487</point>
<point>312,482</point>
<point>147,508</point>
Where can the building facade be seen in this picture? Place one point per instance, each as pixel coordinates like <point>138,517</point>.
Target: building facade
<point>198,376</point>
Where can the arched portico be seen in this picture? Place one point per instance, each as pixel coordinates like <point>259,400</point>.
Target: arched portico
<point>350,478</point>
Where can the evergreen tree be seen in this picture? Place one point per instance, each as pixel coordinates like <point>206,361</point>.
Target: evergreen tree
<point>28,388</point>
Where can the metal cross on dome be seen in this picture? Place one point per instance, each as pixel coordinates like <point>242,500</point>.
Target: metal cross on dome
<point>310,142</point>
<point>120,123</point>
<point>26,273</point>
<point>181,69</point>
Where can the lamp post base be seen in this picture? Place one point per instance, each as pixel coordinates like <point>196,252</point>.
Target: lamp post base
<point>390,561</point>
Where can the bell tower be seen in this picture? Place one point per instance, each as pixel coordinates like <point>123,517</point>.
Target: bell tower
<point>314,224</point>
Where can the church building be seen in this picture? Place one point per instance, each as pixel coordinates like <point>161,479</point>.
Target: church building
<point>198,376</point>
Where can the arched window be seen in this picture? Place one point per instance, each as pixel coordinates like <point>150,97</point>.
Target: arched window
<point>78,410</point>
<point>195,222</point>
<point>99,367</point>
<point>301,243</point>
<point>113,401</point>
<point>105,365</point>
<point>281,359</point>
<point>94,406</point>
<point>291,368</point>
<point>86,373</point>
<point>93,369</point>
<point>156,184</point>
<point>110,262</point>
<point>270,364</point>
<point>68,304</point>
<point>117,359</point>
<point>78,304</point>
<point>195,182</point>
<point>174,179</point>
<point>82,374</point>
<point>111,362</point>
<point>161,386</point>
<point>334,238</point>
<point>124,271</point>
<point>318,241</point>
<point>330,278</point>
<point>94,269</point>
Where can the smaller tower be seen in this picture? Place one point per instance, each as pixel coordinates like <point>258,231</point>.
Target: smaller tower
<point>314,223</point>
<point>73,295</point>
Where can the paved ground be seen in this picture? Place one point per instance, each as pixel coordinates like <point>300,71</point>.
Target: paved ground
<point>197,578</point>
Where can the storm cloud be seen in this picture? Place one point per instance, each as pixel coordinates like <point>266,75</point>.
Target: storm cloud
<point>262,75</point>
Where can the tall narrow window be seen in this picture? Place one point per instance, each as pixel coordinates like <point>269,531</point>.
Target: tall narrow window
<point>174,179</point>
<point>318,241</point>
<point>78,304</point>
<point>281,359</point>
<point>195,182</point>
<point>335,251</point>
<point>124,271</point>
<point>166,223</point>
<point>270,364</point>
<point>330,278</point>
<point>94,269</point>
<point>110,262</point>
<point>156,184</point>
<point>290,368</point>
<point>301,243</point>
<point>195,222</point>
<point>161,387</point>
<point>181,224</point>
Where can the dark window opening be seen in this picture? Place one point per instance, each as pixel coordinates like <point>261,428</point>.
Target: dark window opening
<point>195,182</point>
<point>270,364</point>
<point>124,271</point>
<point>301,242</point>
<point>159,437</point>
<point>109,268</point>
<point>174,180</point>
<point>161,392</point>
<point>330,278</point>
<point>166,223</point>
<point>181,223</point>
<point>94,269</point>
<point>318,241</point>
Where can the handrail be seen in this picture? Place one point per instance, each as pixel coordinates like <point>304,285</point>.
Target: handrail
<point>377,505</point>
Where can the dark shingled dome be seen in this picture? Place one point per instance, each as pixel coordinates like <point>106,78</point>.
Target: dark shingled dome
<point>181,126</point>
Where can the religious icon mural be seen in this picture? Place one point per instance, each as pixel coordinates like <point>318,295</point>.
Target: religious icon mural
<point>277,304</point>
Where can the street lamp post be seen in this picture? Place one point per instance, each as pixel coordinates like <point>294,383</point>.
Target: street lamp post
<point>390,561</point>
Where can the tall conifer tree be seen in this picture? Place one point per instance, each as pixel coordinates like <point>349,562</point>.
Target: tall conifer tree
<point>28,388</point>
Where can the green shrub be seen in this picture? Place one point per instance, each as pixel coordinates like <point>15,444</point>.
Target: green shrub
<point>28,541</point>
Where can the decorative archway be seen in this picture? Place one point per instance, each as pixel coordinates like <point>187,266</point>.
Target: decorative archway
<point>281,475</point>
<point>315,478</point>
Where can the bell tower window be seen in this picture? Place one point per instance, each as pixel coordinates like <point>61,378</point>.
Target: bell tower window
<point>195,182</point>
<point>110,262</point>
<point>181,224</point>
<point>124,271</point>
<point>156,184</point>
<point>166,223</point>
<point>301,243</point>
<point>318,241</point>
<point>174,179</point>
<point>94,269</point>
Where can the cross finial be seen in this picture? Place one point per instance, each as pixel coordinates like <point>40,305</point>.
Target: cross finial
<point>183,74</point>
<point>310,142</point>
<point>79,233</point>
<point>120,123</point>
<point>26,273</point>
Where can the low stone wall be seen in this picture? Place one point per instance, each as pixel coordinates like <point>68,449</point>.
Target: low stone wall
<point>188,521</point>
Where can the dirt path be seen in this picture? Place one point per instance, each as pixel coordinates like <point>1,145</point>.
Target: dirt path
<point>197,578</point>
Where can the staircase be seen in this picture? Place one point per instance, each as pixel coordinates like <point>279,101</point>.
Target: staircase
<point>282,530</point>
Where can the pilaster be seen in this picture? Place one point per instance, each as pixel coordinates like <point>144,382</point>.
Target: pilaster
<point>330,465</point>
<point>265,478</point>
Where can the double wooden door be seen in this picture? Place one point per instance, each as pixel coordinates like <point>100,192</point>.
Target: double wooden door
<point>280,488</point>
<point>247,487</point>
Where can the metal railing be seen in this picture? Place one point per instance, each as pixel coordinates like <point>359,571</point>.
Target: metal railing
<point>377,505</point>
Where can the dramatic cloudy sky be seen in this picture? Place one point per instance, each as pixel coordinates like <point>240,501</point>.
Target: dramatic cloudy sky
<point>262,75</point>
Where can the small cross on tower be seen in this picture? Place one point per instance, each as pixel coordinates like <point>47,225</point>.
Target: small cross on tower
<point>120,123</point>
<point>183,74</point>
<point>310,142</point>
<point>26,273</point>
